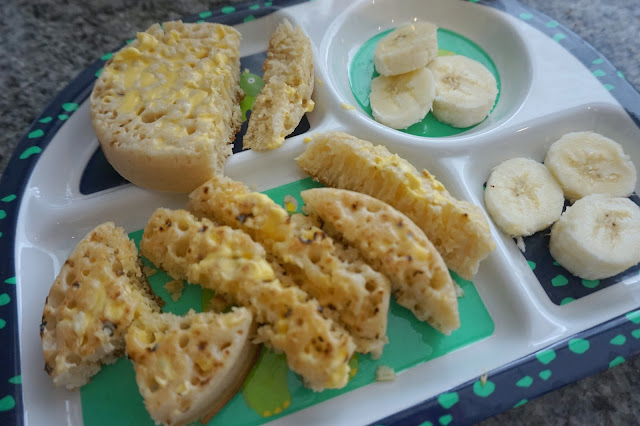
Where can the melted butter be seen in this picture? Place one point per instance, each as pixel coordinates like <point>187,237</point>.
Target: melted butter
<point>196,97</point>
<point>311,105</point>
<point>130,101</point>
<point>147,79</point>
<point>132,74</point>
<point>156,74</point>
<point>147,41</point>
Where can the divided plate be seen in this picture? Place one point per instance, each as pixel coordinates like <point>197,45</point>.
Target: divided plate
<point>520,328</point>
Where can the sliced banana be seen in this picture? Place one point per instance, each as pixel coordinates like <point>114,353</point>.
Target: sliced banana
<point>407,48</point>
<point>522,197</point>
<point>402,100</point>
<point>588,163</point>
<point>465,90</point>
<point>598,237</point>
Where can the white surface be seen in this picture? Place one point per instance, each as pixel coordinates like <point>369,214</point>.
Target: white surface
<point>546,92</point>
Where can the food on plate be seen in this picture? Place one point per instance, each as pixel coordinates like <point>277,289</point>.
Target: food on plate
<point>347,288</point>
<point>394,245</point>
<point>174,288</point>
<point>407,48</point>
<point>458,229</point>
<point>465,90</point>
<point>230,263</point>
<point>588,163</point>
<point>522,197</point>
<point>286,95</point>
<point>188,367</point>
<point>399,101</point>
<point>385,374</point>
<point>165,108</point>
<point>99,291</point>
<point>597,237</point>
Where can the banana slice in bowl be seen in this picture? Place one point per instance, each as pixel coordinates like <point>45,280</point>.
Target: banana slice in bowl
<point>399,101</point>
<point>587,163</point>
<point>597,237</point>
<point>465,90</point>
<point>407,48</point>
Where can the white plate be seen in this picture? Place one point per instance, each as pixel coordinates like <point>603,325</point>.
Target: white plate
<point>546,92</point>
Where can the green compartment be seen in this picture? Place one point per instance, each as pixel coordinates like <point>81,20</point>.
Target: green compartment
<point>112,396</point>
<point>362,71</point>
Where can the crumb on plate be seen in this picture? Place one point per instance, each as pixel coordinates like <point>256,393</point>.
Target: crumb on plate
<point>175,288</point>
<point>385,374</point>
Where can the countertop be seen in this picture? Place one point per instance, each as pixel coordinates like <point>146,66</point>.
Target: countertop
<point>45,43</point>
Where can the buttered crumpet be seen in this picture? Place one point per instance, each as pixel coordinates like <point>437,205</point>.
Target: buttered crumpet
<point>98,293</point>
<point>458,229</point>
<point>286,95</point>
<point>393,244</point>
<point>347,288</point>
<point>229,262</point>
<point>165,107</point>
<point>188,367</point>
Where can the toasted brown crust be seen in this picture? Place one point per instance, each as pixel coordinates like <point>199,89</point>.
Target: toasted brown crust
<point>165,107</point>
<point>99,291</point>
<point>458,229</point>
<point>208,353</point>
<point>286,95</point>
<point>393,244</point>
<point>347,288</point>
<point>229,262</point>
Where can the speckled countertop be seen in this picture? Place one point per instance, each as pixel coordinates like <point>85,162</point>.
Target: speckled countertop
<point>45,43</point>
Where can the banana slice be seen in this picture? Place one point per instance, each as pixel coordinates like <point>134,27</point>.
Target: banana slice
<point>598,237</point>
<point>522,197</point>
<point>402,100</point>
<point>465,90</point>
<point>407,48</point>
<point>588,163</point>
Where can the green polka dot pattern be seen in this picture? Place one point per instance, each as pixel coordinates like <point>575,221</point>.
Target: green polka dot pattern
<point>616,361</point>
<point>448,400</point>
<point>559,37</point>
<point>618,340</point>
<point>579,346</point>
<point>545,374</point>
<point>546,356</point>
<point>590,283</point>
<point>555,366</point>
<point>525,382</point>
<point>484,389</point>
<point>4,299</point>
<point>559,281</point>
<point>7,403</point>
<point>445,420</point>
<point>520,403</point>
<point>38,133</point>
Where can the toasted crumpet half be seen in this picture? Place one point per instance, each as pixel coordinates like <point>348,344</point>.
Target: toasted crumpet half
<point>165,108</point>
